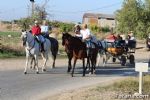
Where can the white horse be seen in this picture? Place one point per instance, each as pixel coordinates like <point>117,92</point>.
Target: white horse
<point>32,48</point>
<point>102,53</point>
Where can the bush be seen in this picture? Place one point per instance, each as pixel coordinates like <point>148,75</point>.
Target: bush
<point>105,29</point>
<point>95,28</point>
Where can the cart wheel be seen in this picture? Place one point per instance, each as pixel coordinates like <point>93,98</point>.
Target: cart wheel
<point>131,59</point>
<point>123,60</point>
<point>113,59</point>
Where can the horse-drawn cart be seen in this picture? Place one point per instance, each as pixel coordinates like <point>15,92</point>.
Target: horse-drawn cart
<point>121,50</point>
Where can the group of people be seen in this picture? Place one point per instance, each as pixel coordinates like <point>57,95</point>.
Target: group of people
<point>84,34</point>
<point>122,40</point>
<point>40,32</point>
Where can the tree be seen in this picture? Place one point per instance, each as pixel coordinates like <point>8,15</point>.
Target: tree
<point>135,16</point>
<point>128,15</point>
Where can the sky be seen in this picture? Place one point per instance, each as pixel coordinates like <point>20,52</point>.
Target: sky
<point>61,10</point>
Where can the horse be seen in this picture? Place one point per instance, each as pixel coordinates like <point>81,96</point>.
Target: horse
<point>32,48</point>
<point>54,51</point>
<point>76,49</point>
<point>102,52</point>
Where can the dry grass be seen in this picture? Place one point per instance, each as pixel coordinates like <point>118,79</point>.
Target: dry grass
<point>126,86</point>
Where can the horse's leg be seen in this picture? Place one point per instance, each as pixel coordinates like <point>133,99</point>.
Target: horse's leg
<point>27,61</point>
<point>75,60</point>
<point>54,58</point>
<point>84,68</point>
<point>53,66</point>
<point>69,62</point>
<point>87,64</point>
<point>95,61</point>
<point>31,63</point>
<point>92,64</point>
<point>98,59</point>
<point>32,60</point>
<point>36,62</point>
<point>104,60</point>
<point>45,58</point>
<point>54,53</point>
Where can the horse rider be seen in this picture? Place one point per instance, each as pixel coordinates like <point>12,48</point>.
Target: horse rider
<point>45,29</point>
<point>77,30</point>
<point>86,36</point>
<point>36,31</point>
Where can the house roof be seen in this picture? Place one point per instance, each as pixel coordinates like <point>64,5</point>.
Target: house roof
<point>97,15</point>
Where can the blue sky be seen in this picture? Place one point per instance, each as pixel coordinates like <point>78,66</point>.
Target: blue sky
<point>63,10</point>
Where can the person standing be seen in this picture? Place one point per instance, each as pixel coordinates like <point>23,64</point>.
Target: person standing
<point>36,31</point>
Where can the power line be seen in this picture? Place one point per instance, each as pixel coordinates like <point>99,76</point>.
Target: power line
<point>95,9</point>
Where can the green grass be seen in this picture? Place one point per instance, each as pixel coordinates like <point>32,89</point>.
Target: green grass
<point>13,34</point>
<point>10,46</point>
<point>10,55</point>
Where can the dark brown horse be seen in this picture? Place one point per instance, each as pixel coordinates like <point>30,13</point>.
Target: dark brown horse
<point>76,49</point>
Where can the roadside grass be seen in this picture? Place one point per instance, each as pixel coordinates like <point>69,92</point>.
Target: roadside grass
<point>109,91</point>
<point>127,86</point>
<point>13,34</point>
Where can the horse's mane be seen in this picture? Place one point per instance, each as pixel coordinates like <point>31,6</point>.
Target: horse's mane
<point>75,42</point>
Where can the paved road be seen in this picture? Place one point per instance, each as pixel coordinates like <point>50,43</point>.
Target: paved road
<point>14,85</point>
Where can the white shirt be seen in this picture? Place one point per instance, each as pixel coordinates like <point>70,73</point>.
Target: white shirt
<point>44,29</point>
<point>85,33</point>
<point>132,38</point>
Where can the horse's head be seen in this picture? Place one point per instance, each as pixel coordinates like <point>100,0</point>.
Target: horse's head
<point>65,38</point>
<point>25,36</point>
<point>66,41</point>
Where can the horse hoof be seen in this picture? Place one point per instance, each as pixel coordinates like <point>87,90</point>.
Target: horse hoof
<point>44,70</point>
<point>25,73</point>
<point>90,73</point>
<point>53,66</point>
<point>37,72</point>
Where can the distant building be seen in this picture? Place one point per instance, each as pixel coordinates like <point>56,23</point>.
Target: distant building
<point>100,20</point>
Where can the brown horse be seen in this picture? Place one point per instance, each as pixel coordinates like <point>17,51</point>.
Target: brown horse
<point>76,49</point>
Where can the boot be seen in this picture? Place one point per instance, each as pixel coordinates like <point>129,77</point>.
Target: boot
<point>42,47</point>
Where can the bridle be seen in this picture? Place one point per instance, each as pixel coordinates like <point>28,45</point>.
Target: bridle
<point>25,41</point>
<point>66,44</point>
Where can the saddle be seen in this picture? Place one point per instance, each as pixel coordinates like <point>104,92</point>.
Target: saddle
<point>41,44</point>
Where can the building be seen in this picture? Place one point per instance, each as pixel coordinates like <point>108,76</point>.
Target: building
<point>101,20</point>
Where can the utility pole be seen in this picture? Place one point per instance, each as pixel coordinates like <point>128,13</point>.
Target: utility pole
<point>32,1</point>
<point>28,11</point>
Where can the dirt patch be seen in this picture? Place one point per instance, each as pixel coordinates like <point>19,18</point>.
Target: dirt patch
<point>88,93</point>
